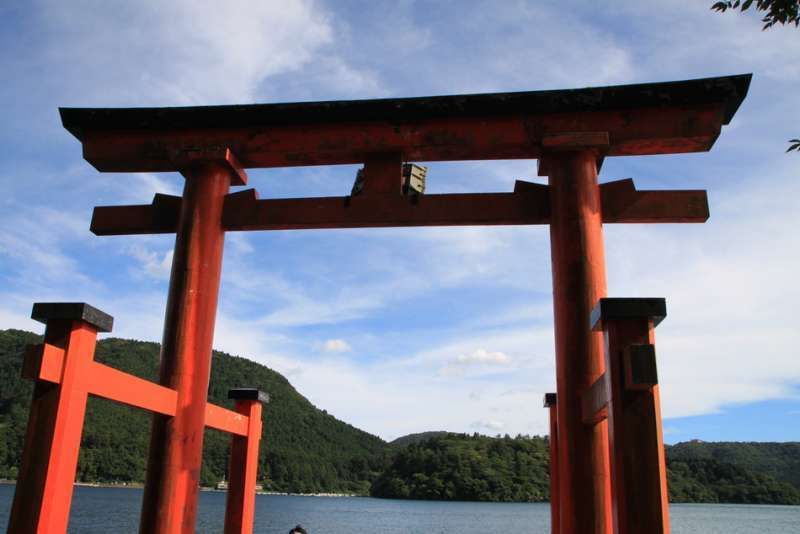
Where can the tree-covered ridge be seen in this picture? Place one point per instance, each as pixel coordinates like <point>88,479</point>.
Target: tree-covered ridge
<point>711,481</point>
<point>303,449</point>
<point>469,468</point>
<point>780,460</point>
<point>408,439</point>
<point>462,467</point>
<point>307,450</point>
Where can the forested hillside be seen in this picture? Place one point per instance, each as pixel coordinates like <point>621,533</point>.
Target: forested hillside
<point>303,449</point>
<point>707,480</point>
<point>780,460</point>
<point>469,468</point>
<point>462,467</point>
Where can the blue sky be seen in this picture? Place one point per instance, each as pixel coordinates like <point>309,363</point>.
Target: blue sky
<point>407,330</point>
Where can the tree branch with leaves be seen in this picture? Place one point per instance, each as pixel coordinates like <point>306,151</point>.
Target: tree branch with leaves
<point>776,12</point>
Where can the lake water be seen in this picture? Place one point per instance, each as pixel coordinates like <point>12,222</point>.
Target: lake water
<point>104,510</point>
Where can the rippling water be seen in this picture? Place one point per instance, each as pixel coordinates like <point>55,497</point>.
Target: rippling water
<point>103,510</point>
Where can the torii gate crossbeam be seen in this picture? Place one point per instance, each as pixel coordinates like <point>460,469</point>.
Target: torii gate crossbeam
<point>569,131</point>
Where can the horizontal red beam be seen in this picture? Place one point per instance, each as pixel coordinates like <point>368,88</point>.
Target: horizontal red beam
<point>160,217</point>
<point>45,362</point>
<point>528,204</point>
<point>640,131</point>
<point>226,420</point>
<point>622,203</point>
<point>390,210</point>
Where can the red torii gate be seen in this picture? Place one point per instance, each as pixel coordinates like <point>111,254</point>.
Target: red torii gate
<point>568,131</point>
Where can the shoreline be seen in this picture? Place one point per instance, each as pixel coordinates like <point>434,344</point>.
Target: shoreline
<point>139,485</point>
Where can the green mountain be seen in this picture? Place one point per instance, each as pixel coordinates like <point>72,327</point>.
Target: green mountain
<point>462,467</point>
<point>469,468</point>
<point>303,449</point>
<point>780,460</point>
<point>708,480</point>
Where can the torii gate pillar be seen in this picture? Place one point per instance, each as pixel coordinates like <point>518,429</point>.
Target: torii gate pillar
<point>579,280</point>
<point>169,505</point>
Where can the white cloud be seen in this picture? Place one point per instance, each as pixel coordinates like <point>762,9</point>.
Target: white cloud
<point>477,358</point>
<point>182,52</point>
<point>728,337</point>
<point>482,357</point>
<point>154,264</point>
<point>336,345</point>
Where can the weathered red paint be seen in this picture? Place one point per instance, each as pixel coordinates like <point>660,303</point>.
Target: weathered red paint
<point>240,504</point>
<point>578,266</point>
<point>176,444</point>
<point>632,132</point>
<point>638,466</point>
<point>383,174</point>
<point>50,457</point>
<point>622,203</point>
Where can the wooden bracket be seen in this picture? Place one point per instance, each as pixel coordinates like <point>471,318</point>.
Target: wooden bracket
<point>622,203</point>
<point>555,144</point>
<point>188,157</point>
<point>639,365</point>
<point>594,402</point>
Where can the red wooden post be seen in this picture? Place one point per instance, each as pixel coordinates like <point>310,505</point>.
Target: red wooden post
<point>638,467</point>
<point>579,279</point>
<point>44,486</point>
<point>555,521</point>
<point>243,469</point>
<point>383,174</point>
<point>176,444</point>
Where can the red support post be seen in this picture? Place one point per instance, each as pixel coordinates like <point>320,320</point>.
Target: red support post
<point>176,444</point>
<point>243,469</point>
<point>383,174</point>
<point>638,467</point>
<point>550,402</point>
<point>579,279</point>
<point>50,457</point>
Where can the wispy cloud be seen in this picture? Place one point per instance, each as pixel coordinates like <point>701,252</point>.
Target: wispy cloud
<point>336,345</point>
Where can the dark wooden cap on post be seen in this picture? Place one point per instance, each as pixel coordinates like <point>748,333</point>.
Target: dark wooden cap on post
<point>248,394</point>
<point>73,311</point>
<point>608,309</point>
<point>550,399</point>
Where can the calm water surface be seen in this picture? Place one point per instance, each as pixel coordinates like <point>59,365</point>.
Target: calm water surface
<point>104,510</point>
